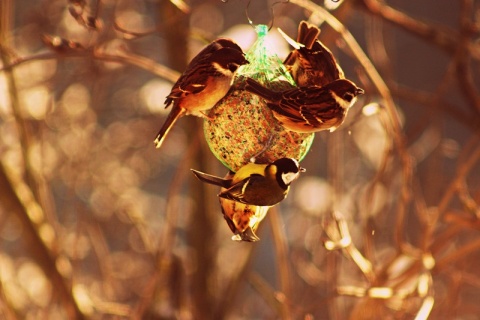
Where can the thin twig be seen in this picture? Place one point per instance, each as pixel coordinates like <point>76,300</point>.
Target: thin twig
<point>457,255</point>
<point>168,237</point>
<point>233,286</point>
<point>11,202</point>
<point>445,39</point>
<point>463,57</point>
<point>424,98</point>
<point>281,249</point>
<point>131,59</point>
<point>134,34</point>
<point>463,169</point>
<point>265,291</point>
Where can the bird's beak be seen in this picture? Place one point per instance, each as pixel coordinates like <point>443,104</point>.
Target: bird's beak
<point>301,169</point>
<point>360,91</point>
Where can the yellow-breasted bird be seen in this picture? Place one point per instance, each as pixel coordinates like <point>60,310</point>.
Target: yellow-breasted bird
<point>257,184</point>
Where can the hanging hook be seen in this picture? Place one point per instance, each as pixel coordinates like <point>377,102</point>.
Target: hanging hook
<point>272,13</point>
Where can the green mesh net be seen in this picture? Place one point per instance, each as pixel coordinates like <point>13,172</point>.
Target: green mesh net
<point>264,66</point>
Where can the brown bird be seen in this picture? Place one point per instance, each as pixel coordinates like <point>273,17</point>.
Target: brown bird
<point>309,109</point>
<point>257,184</point>
<point>312,63</point>
<point>206,80</point>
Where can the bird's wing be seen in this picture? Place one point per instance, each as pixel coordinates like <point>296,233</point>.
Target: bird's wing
<point>194,79</point>
<point>308,104</point>
<point>189,83</point>
<point>211,179</point>
<point>236,192</point>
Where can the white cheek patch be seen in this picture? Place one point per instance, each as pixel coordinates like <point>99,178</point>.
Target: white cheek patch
<point>289,177</point>
<point>352,102</point>
<point>222,70</point>
<point>342,102</point>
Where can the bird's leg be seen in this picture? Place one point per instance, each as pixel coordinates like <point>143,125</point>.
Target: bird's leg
<point>265,148</point>
<point>202,114</point>
<point>249,235</point>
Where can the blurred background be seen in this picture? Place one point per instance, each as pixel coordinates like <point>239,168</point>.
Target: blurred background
<point>97,223</point>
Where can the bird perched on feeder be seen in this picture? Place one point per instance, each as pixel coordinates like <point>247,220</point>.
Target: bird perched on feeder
<point>309,109</point>
<point>206,80</point>
<point>257,184</point>
<point>311,62</point>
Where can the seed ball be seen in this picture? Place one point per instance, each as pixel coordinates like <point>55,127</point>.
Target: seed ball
<point>242,127</point>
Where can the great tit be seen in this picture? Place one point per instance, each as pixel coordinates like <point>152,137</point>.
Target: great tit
<point>257,184</point>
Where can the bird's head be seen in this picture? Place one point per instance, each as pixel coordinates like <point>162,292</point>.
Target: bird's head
<point>287,170</point>
<point>227,43</point>
<point>345,92</point>
<point>228,60</point>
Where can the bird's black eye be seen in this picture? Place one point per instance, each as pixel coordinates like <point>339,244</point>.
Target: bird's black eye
<point>232,67</point>
<point>348,96</point>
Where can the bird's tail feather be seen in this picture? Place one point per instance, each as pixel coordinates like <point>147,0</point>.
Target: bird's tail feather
<point>173,116</point>
<point>307,34</point>
<point>210,179</point>
<point>258,89</point>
